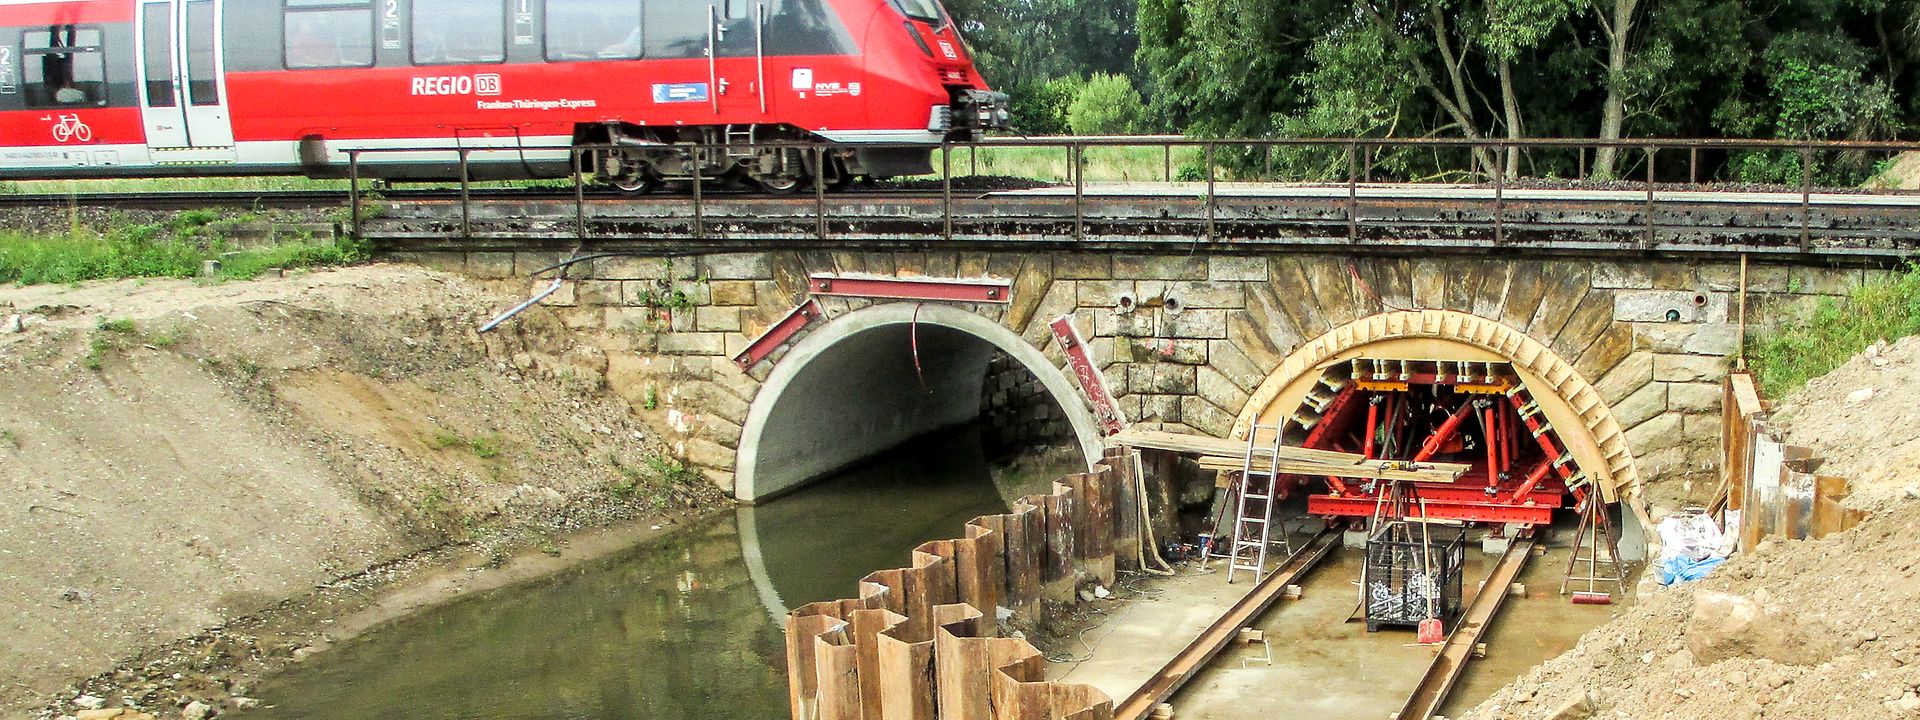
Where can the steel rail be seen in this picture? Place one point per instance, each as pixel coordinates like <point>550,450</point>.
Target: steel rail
<point>1457,651</point>
<point>1222,632</point>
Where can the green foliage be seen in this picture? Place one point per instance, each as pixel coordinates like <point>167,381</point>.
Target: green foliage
<point>1787,356</point>
<point>442,438</point>
<point>123,326</point>
<point>1106,104</point>
<point>168,338</point>
<point>177,248</point>
<point>652,401</point>
<point>485,447</point>
<point>8,436</point>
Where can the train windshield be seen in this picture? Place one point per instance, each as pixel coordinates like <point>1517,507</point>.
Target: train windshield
<point>928,10</point>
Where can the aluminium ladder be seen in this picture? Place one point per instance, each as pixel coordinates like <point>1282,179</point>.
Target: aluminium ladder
<point>1253,522</point>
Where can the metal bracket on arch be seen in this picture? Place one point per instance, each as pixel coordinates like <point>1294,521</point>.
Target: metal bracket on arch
<point>976,290</point>
<point>779,333</point>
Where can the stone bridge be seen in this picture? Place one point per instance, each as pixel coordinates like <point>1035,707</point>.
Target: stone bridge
<point>1629,349</point>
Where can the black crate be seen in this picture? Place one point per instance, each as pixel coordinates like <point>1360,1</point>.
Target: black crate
<point>1405,583</point>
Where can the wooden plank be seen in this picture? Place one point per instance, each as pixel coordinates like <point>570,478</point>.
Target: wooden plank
<point>1223,632</point>
<point>1227,454</point>
<point>1457,651</point>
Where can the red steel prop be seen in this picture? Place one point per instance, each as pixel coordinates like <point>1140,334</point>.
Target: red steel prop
<point>1092,381</point>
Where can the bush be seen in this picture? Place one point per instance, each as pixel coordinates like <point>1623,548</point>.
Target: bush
<point>1105,105</point>
<point>1041,108</point>
<point>1799,350</point>
<point>176,249</point>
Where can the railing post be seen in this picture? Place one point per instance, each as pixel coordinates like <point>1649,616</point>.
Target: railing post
<point>353,190</point>
<point>1210,203</point>
<point>699,207</point>
<point>973,159</point>
<point>1266,150</point>
<point>466,191</point>
<point>1353,193</point>
<point>1581,153</point>
<point>946,190</point>
<point>1806,198</point>
<point>1500,196</point>
<point>820,191</point>
<point>1167,161</point>
<point>1693,165</point>
<point>1079,194</point>
<point>1651,153</point>
<point>579,196</point>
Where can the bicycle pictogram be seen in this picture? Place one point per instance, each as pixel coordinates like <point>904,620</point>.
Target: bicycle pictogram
<point>70,128</point>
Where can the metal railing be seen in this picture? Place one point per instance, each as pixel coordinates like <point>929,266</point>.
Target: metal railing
<point>1485,166</point>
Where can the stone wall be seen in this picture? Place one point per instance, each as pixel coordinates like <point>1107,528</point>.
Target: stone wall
<point>1184,340</point>
<point>1017,410</point>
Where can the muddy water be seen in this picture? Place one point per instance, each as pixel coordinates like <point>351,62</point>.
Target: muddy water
<point>681,626</point>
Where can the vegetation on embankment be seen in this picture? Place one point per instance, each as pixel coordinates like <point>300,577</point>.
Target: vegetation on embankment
<point>179,247</point>
<point>1800,349</point>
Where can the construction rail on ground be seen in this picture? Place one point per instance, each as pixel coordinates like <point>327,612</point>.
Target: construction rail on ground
<point>923,641</point>
<point>1222,632</point>
<point>1457,651</point>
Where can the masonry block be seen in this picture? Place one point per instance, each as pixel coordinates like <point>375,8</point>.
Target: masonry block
<point>708,318</point>
<point>1659,433</point>
<point>1201,415</point>
<point>1159,408</point>
<point>1203,324</point>
<point>1630,276</point>
<point>1133,324</point>
<point>1824,281</point>
<point>1725,277</point>
<point>1625,377</point>
<point>1159,267</point>
<point>490,265</point>
<point>731,292</point>
<point>709,454</point>
<point>630,267</point>
<point>1689,368</point>
<point>598,292</point>
<point>693,343</point>
<point>1104,294</point>
<point>525,264</point>
<point>1180,352</point>
<point>1161,379</point>
<point>1193,295</point>
<point>1219,390</point>
<point>1226,357</point>
<point>1660,306</point>
<point>737,266</point>
<point>1685,338</point>
<point>1083,266</point>
<point>1643,405</point>
<point>1694,397</point>
<point>1233,268</point>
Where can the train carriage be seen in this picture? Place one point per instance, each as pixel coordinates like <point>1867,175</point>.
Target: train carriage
<point>658,89</point>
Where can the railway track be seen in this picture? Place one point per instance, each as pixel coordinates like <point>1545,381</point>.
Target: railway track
<point>304,199</point>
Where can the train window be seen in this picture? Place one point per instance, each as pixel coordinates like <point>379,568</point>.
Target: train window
<point>457,32</point>
<point>593,30</point>
<point>156,53</point>
<point>927,10</point>
<point>64,67</point>
<point>326,34</point>
<point>677,28</point>
<point>203,82</point>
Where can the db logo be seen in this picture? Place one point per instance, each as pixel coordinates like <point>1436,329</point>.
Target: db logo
<point>946,48</point>
<point>70,128</point>
<point>486,84</point>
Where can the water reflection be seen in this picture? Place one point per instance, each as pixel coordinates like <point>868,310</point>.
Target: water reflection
<point>680,627</point>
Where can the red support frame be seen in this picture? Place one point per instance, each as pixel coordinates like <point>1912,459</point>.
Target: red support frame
<point>1092,381</point>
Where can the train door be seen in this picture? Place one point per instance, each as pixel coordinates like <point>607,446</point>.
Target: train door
<point>183,89</point>
<point>736,42</point>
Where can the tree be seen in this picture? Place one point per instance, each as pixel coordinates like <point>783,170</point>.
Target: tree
<point>1106,104</point>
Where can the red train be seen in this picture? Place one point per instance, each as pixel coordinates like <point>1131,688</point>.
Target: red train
<point>143,88</point>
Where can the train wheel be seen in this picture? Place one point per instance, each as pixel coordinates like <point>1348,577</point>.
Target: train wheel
<point>641,185</point>
<point>779,185</point>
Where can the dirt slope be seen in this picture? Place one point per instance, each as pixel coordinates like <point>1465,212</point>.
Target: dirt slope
<point>175,455</point>
<point>1814,629</point>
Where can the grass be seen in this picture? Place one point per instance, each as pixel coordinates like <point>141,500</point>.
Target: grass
<point>8,436</point>
<point>1103,164</point>
<point>1804,348</point>
<point>485,447</point>
<point>178,248</point>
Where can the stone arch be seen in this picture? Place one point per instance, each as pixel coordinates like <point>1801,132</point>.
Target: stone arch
<point>1570,402</point>
<point>824,368</point>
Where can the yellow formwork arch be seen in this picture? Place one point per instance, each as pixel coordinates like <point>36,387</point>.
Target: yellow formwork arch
<point>1578,413</point>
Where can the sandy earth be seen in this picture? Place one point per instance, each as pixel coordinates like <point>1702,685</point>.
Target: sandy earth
<point>1812,629</point>
<point>238,445</point>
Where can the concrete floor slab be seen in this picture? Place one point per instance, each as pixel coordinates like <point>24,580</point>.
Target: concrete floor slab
<point>1321,665</point>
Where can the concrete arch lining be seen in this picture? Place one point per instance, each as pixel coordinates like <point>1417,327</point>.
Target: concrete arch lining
<point>1572,405</point>
<point>836,373</point>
